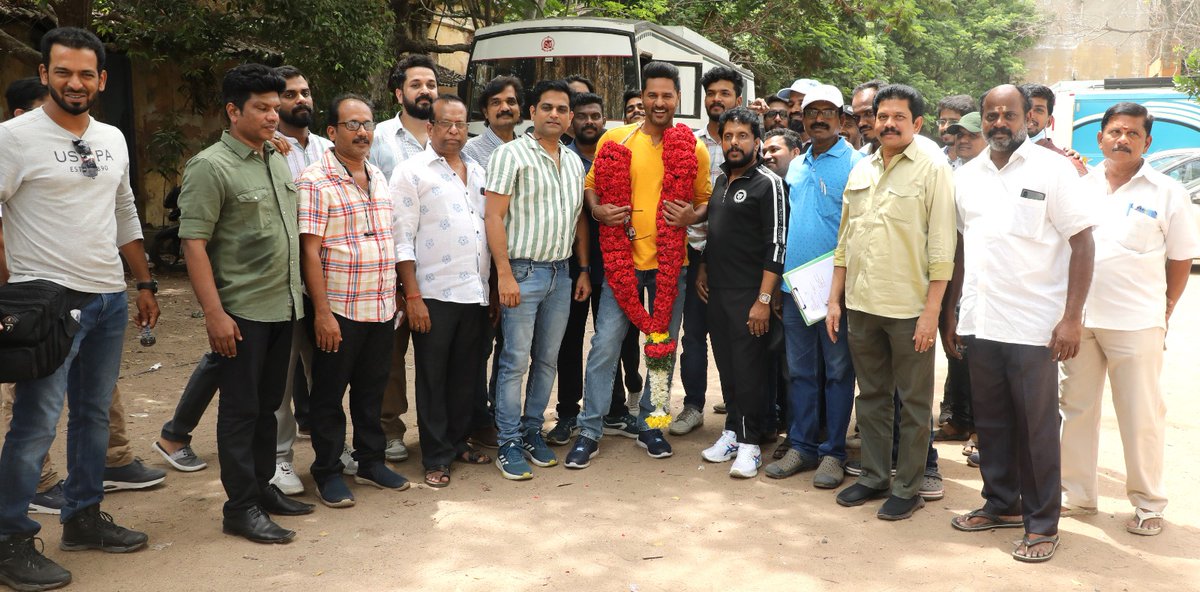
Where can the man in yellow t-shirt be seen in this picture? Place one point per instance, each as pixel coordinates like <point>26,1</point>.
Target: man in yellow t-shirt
<point>660,94</point>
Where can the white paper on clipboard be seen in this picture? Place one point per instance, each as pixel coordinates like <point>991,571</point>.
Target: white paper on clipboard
<point>810,284</point>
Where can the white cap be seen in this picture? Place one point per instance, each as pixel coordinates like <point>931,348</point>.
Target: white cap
<point>802,86</point>
<point>824,92</point>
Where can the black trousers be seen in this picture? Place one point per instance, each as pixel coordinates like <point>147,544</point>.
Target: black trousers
<point>448,359</point>
<point>570,362</point>
<point>362,362</point>
<point>958,392</point>
<point>744,364</point>
<point>251,386</point>
<point>1015,392</point>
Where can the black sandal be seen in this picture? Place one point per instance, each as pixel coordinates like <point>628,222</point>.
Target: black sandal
<point>441,481</point>
<point>472,456</point>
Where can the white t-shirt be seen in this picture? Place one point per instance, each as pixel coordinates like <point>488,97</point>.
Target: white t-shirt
<point>1016,223</point>
<point>59,224</point>
<point>1142,224</point>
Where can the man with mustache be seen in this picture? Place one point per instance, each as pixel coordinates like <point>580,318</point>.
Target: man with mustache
<point>588,124</point>
<point>862,101</point>
<point>744,260</point>
<point>949,111</point>
<point>534,196</point>
<point>1145,244</point>
<point>794,96</point>
<point>635,110</point>
<point>69,218</point>
<point>781,147</point>
<point>1019,203</point>
<point>500,102</point>
<point>894,256</point>
<point>722,92</point>
<point>1041,119</point>
<point>968,139</point>
<point>240,239</point>
<point>414,83</point>
<point>445,265</point>
<point>817,182</point>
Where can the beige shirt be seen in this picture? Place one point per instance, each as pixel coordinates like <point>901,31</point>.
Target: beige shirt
<point>898,232</point>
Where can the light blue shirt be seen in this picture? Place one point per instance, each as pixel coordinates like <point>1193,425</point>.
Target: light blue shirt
<point>815,199</point>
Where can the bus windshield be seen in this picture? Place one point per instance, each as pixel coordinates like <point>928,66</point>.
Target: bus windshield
<point>611,76</point>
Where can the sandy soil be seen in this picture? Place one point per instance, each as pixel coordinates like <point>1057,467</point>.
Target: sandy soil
<point>628,523</point>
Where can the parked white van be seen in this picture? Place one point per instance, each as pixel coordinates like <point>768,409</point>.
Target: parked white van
<point>609,52</point>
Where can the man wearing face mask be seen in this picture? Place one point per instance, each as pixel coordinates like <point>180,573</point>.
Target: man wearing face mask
<point>747,223</point>
<point>1041,119</point>
<point>500,102</point>
<point>1018,203</point>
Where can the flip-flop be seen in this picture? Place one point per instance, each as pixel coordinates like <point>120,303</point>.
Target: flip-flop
<point>473,456</point>
<point>993,523</point>
<point>1029,542</point>
<point>439,482</point>
<point>1142,516</point>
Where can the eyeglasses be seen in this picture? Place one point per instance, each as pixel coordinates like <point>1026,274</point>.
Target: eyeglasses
<point>827,113</point>
<point>89,169</point>
<point>354,126</point>
<point>775,114</point>
<point>942,122</point>
<point>445,125</point>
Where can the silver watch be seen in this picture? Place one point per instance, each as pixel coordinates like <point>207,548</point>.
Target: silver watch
<point>764,297</point>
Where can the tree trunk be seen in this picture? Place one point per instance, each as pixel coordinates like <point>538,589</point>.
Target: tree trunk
<point>74,13</point>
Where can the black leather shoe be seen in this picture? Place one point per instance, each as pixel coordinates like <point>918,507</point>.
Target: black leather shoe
<point>255,525</point>
<point>274,502</point>
<point>898,508</point>
<point>857,495</point>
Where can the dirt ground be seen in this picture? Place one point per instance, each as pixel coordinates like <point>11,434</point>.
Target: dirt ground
<point>628,523</point>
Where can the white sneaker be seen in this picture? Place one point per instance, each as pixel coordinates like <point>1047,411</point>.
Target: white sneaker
<point>349,465</point>
<point>745,466</point>
<point>725,447</point>
<point>687,420</point>
<point>287,480</point>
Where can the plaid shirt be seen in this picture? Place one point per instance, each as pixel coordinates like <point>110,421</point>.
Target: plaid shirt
<point>357,253</point>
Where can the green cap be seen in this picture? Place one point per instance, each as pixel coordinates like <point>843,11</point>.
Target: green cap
<point>971,122</point>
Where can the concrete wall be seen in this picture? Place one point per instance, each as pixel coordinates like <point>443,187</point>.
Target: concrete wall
<point>1076,46</point>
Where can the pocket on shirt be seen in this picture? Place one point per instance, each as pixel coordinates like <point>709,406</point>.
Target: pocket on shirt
<point>1141,234</point>
<point>904,205</point>
<point>856,199</point>
<point>1028,218</point>
<point>252,208</point>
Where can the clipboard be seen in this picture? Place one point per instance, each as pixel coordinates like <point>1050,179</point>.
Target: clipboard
<point>810,285</point>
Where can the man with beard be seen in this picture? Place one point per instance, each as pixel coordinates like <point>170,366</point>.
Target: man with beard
<point>968,140</point>
<point>894,256</point>
<point>794,95</point>
<point>348,262</point>
<point>722,92</point>
<point>500,102</point>
<point>645,142</point>
<point>820,373</point>
<point>414,83</point>
<point>240,239</point>
<point>949,111</point>
<point>64,174</point>
<point>1041,119</point>
<point>445,266</point>
<point>780,148</point>
<point>588,124</point>
<point>534,196</point>
<point>635,110</point>
<point>744,260</point>
<point>862,101</point>
<point>1019,203</point>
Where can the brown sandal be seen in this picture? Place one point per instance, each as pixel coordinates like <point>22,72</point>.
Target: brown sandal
<point>438,476</point>
<point>473,456</point>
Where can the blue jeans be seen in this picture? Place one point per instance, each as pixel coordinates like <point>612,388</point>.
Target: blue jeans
<point>808,351</point>
<point>611,325</point>
<point>533,329</point>
<point>87,377</point>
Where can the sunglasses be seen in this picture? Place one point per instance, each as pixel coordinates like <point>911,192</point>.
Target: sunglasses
<point>89,169</point>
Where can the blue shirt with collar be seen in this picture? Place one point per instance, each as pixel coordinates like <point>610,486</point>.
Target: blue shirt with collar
<point>815,186</point>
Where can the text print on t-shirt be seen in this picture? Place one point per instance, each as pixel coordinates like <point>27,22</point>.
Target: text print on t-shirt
<point>75,161</point>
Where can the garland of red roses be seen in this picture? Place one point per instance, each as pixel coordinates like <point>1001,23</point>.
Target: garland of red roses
<point>614,186</point>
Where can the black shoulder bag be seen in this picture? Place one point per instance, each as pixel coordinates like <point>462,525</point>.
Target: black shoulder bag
<point>37,328</point>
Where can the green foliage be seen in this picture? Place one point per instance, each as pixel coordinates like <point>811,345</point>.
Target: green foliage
<point>1188,81</point>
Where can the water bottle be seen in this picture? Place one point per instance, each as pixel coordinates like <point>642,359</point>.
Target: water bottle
<point>147,336</point>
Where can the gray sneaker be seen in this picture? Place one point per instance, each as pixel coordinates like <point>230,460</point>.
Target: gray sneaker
<point>396,451</point>
<point>931,487</point>
<point>687,420</point>
<point>184,459</point>
<point>793,462</point>
<point>829,474</point>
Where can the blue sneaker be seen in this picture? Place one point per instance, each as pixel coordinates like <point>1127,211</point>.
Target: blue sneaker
<point>334,492</point>
<point>536,450</point>
<point>582,453</point>
<point>378,475</point>
<point>511,462</point>
<point>50,501</point>
<point>654,443</point>
<point>563,431</point>
<point>621,425</point>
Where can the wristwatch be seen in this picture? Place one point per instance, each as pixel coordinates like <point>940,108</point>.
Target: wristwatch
<point>151,285</point>
<point>585,269</point>
<point>764,297</point>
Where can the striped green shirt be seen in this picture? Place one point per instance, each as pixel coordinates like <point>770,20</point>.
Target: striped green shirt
<point>545,199</point>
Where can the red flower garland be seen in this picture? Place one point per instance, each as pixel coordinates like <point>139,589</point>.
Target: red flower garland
<point>613,185</point>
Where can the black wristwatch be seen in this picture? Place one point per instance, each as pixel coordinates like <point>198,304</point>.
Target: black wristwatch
<point>151,285</point>
<point>585,269</point>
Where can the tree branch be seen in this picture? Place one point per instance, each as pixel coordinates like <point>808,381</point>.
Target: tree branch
<point>18,50</point>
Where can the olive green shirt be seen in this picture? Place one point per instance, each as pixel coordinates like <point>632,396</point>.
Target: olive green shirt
<point>245,208</point>
<point>898,231</point>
